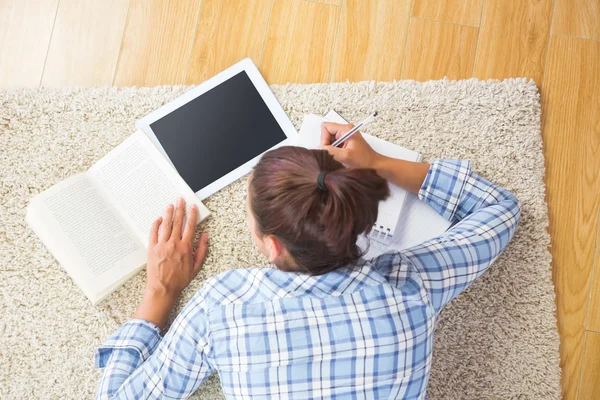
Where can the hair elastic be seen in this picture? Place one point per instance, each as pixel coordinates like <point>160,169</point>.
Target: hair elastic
<point>321,180</point>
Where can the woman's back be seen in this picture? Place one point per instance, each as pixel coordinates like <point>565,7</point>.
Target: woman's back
<point>347,334</point>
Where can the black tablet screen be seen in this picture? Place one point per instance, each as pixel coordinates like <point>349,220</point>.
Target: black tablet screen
<point>218,131</point>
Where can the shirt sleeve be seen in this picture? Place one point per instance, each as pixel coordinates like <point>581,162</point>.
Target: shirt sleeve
<point>484,216</point>
<point>139,364</point>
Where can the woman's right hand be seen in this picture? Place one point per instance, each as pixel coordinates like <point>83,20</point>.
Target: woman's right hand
<point>355,152</point>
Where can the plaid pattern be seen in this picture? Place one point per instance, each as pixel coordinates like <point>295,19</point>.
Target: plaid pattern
<point>361,332</point>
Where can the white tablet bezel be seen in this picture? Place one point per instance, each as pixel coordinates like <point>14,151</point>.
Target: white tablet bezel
<point>265,92</point>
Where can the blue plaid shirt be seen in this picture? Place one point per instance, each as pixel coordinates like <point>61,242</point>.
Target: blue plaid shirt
<point>361,332</point>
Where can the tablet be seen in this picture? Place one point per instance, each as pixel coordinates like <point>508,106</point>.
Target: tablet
<point>215,133</point>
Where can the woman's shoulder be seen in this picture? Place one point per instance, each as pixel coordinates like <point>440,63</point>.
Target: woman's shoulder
<point>243,285</point>
<point>242,273</point>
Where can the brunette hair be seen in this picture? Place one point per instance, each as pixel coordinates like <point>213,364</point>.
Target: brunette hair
<point>318,226</point>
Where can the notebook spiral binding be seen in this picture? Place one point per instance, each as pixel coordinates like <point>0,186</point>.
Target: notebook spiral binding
<point>381,234</point>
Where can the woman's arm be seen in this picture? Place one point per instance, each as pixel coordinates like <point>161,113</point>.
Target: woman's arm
<point>137,362</point>
<point>356,153</point>
<point>485,218</point>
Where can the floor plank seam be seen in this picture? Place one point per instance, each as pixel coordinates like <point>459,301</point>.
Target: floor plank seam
<point>262,50</point>
<point>325,4</point>
<point>447,22</point>
<point>580,365</point>
<point>49,42</point>
<point>114,73</point>
<point>335,38</point>
<point>478,34</point>
<point>592,270</point>
<point>548,47</point>
<point>193,42</point>
<point>410,17</point>
<point>577,37</point>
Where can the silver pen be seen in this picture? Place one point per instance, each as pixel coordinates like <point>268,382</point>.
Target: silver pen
<point>352,131</point>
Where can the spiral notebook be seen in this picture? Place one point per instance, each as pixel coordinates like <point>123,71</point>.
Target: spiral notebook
<point>389,210</point>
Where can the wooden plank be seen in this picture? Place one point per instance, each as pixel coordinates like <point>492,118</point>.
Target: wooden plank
<point>370,40</point>
<point>593,314</point>
<point>438,49</point>
<point>299,42</point>
<point>157,42</point>
<point>24,24</point>
<point>228,31</point>
<point>513,39</point>
<point>85,43</point>
<point>571,139</point>
<point>579,18</point>
<point>589,386</point>
<point>464,12</point>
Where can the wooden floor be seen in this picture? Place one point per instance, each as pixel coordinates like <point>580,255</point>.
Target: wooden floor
<point>60,43</point>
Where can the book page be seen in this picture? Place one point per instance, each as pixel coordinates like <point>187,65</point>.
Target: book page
<point>85,233</point>
<point>141,183</point>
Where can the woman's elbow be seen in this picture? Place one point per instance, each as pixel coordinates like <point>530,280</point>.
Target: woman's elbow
<point>513,211</point>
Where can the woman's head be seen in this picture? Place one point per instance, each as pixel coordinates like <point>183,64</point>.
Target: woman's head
<point>298,225</point>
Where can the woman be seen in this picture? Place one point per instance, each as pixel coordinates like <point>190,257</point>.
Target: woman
<point>325,323</point>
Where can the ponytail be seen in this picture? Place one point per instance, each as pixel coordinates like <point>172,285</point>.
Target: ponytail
<point>314,205</point>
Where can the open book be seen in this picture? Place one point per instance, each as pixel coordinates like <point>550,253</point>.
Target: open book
<point>406,220</point>
<point>97,223</point>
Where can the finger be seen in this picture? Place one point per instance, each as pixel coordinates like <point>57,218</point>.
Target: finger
<point>341,130</point>
<point>153,238</point>
<point>327,133</point>
<point>337,153</point>
<point>347,128</point>
<point>190,225</point>
<point>178,218</point>
<point>167,224</point>
<point>200,254</point>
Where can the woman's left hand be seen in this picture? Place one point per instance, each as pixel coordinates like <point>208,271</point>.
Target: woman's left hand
<point>172,263</point>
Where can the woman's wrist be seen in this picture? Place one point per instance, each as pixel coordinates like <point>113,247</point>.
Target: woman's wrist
<point>408,175</point>
<point>155,307</point>
<point>380,164</point>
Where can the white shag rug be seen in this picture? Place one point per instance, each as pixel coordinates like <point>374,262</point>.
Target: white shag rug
<point>496,341</point>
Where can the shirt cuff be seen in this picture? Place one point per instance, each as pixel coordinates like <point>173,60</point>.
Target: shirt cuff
<point>136,334</point>
<point>443,186</point>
